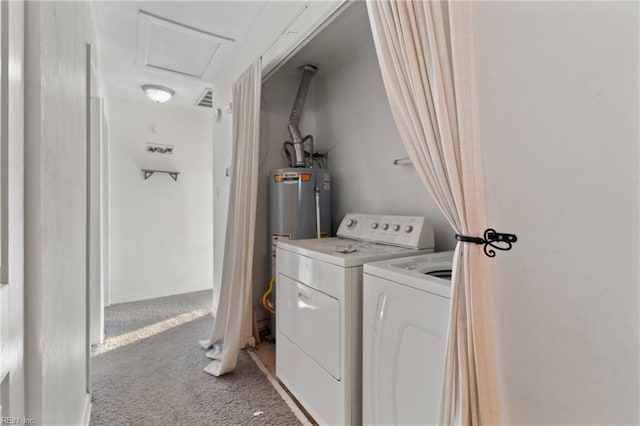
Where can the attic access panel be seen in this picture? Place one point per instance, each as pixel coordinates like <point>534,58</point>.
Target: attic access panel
<point>174,47</point>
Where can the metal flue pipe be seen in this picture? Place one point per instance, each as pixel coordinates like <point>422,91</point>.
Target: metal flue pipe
<point>294,120</point>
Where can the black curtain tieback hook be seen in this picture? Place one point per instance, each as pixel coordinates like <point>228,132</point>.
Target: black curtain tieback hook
<point>492,240</point>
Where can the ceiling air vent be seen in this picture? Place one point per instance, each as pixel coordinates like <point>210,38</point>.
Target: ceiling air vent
<point>206,100</point>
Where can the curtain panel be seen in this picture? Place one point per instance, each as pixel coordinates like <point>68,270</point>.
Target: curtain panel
<point>425,51</point>
<point>232,328</point>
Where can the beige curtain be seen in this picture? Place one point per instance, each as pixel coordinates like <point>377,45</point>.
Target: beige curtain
<point>232,324</point>
<point>425,52</point>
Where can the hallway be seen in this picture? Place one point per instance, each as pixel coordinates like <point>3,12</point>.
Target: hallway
<point>155,375</point>
<point>121,128</point>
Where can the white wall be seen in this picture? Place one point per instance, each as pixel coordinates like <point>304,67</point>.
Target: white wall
<point>558,91</point>
<point>354,124</point>
<point>96,291</point>
<point>161,230</point>
<point>56,343</point>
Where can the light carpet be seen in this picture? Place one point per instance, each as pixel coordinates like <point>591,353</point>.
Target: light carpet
<point>159,378</point>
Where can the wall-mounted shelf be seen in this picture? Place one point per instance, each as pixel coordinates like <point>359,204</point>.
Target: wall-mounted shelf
<point>148,173</point>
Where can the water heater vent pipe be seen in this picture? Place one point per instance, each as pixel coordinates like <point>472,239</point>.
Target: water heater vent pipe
<point>294,120</point>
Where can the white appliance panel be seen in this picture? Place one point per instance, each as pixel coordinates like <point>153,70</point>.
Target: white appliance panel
<point>322,276</point>
<point>327,250</point>
<point>413,271</point>
<point>414,232</point>
<point>305,314</point>
<point>322,396</point>
<point>404,341</point>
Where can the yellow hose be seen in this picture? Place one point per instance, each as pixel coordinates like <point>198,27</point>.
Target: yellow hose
<point>265,301</point>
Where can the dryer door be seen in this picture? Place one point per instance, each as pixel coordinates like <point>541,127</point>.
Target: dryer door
<point>405,333</point>
<point>311,320</point>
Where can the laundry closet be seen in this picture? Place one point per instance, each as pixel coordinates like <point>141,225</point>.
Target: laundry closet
<point>347,112</point>
<point>545,126</point>
<point>328,99</point>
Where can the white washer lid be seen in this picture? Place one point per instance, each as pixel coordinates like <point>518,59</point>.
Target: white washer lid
<point>414,271</point>
<point>326,250</point>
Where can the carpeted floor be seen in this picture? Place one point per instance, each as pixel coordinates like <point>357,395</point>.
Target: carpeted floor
<point>158,380</point>
<point>126,317</point>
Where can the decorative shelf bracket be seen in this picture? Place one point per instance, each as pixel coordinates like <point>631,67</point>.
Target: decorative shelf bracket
<point>148,173</point>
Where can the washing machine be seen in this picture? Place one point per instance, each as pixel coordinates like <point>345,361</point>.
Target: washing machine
<point>319,309</point>
<point>406,304</point>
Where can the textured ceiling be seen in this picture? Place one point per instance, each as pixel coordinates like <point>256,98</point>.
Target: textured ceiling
<point>334,44</point>
<point>197,37</point>
<point>117,25</point>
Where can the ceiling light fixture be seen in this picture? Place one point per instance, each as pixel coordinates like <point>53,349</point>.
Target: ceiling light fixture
<point>157,93</point>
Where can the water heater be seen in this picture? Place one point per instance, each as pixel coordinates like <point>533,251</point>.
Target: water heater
<point>300,195</point>
<point>300,205</point>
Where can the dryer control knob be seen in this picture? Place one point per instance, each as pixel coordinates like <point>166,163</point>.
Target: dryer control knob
<point>374,225</point>
<point>408,229</point>
<point>385,226</point>
<point>396,228</point>
<point>351,223</point>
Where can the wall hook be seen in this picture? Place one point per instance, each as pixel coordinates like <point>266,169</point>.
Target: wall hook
<point>492,240</point>
<point>402,162</point>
